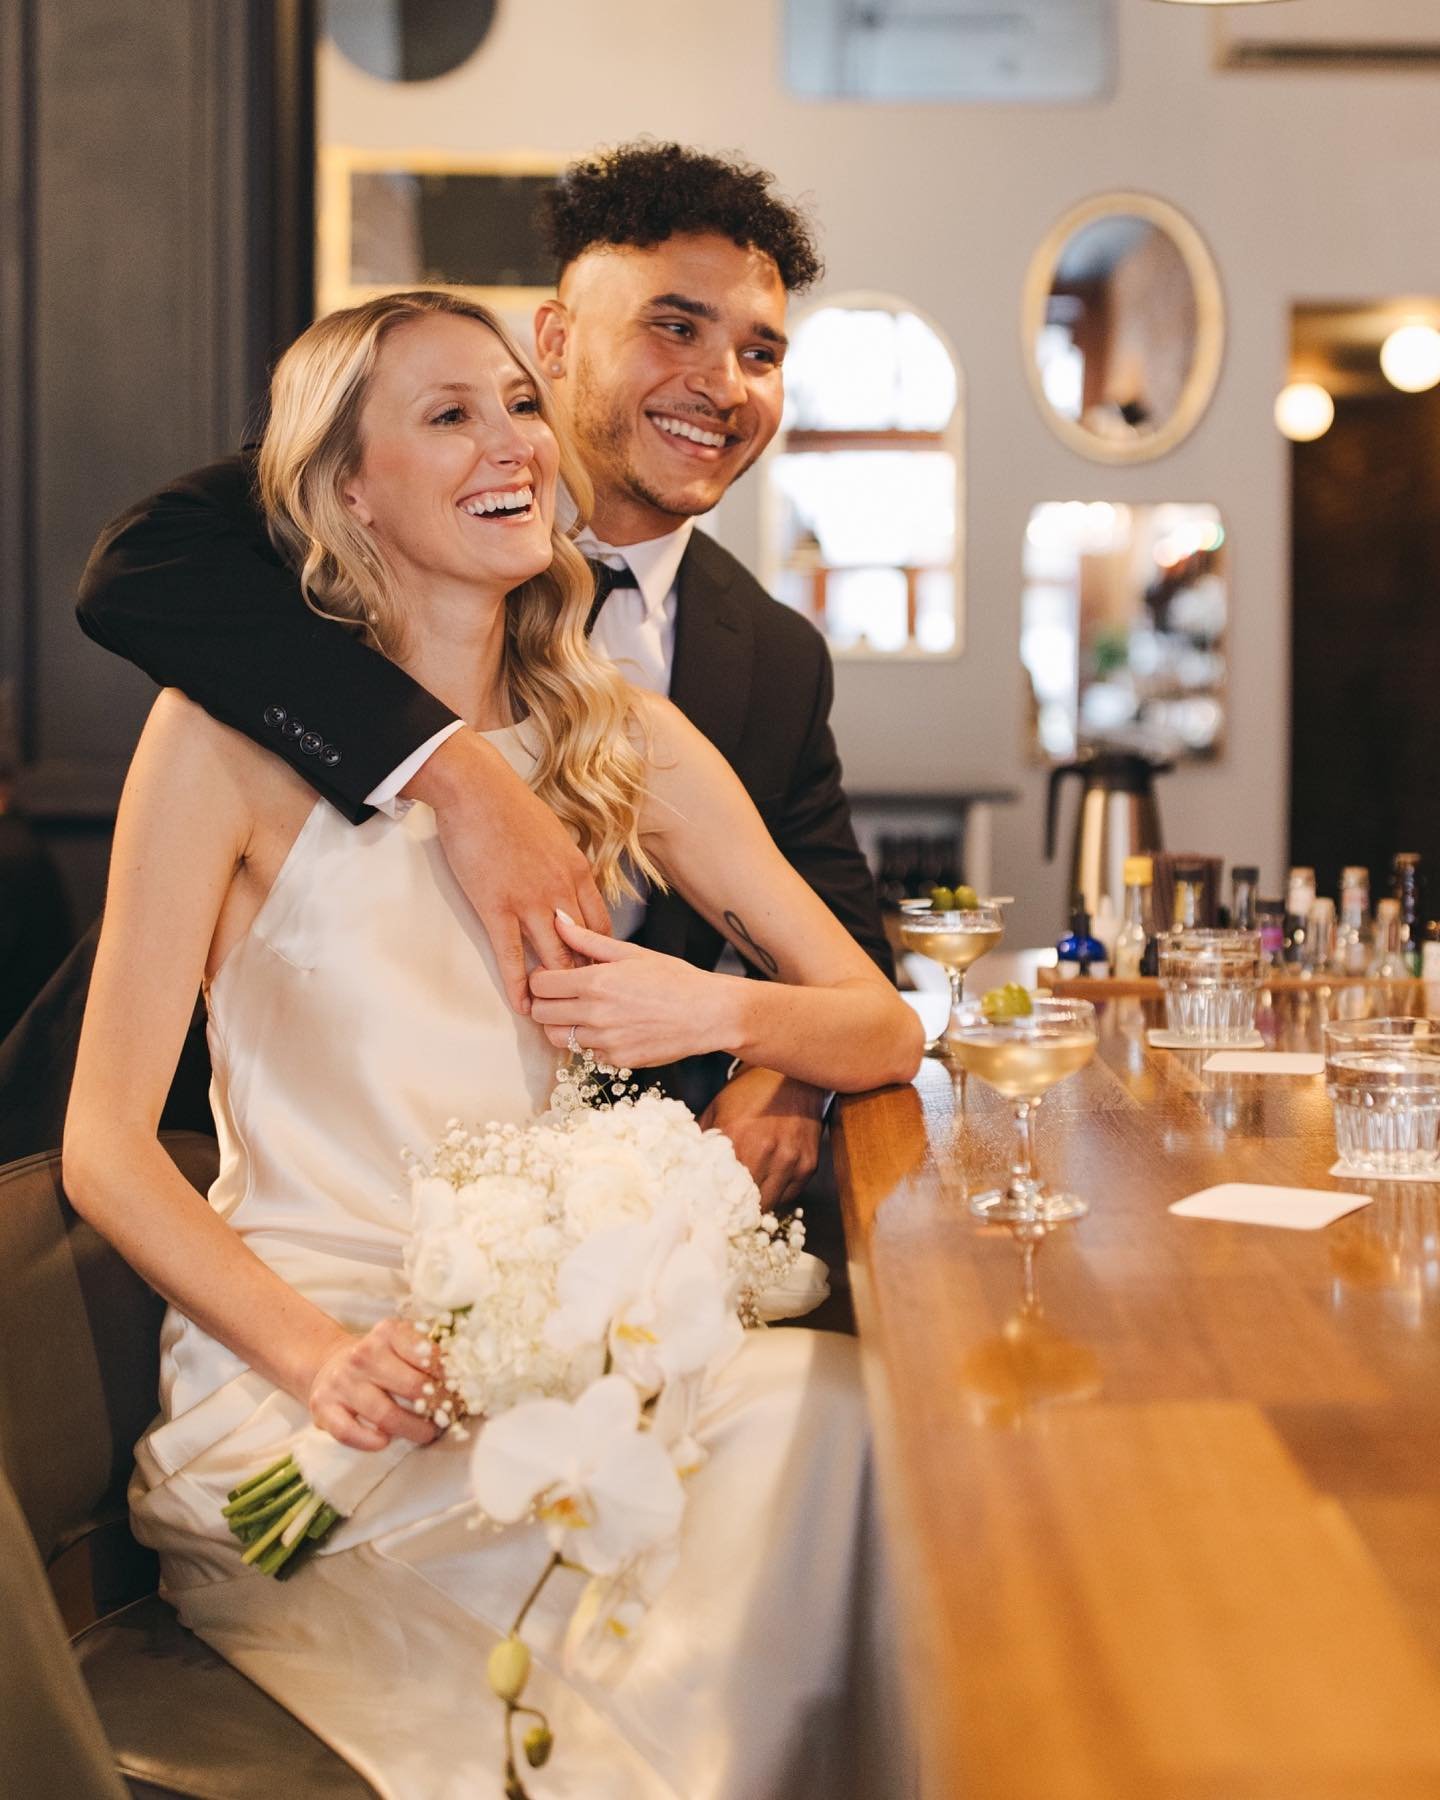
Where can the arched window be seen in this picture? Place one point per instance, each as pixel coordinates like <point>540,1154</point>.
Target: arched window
<point>863,486</point>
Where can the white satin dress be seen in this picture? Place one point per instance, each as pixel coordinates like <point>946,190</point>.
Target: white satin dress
<point>360,1014</point>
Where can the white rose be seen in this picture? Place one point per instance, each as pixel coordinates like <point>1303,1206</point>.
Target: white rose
<point>449,1269</point>
<point>605,1184</point>
<point>433,1204</point>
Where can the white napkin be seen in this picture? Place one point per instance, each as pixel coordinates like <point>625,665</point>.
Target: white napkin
<point>934,1010</point>
<point>1265,1062</point>
<point>1251,1203</point>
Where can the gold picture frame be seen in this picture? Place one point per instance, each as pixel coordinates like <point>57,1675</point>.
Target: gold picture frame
<point>1204,372</point>
<point>338,164</point>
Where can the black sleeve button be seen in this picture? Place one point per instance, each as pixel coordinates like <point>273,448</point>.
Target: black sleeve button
<point>275,717</point>
<point>329,756</point>
<point>292,728</point>
<point>312,743</point>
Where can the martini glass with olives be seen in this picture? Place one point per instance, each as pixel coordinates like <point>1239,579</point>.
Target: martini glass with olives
<point>1022,1045</point>
<point>953,928</point>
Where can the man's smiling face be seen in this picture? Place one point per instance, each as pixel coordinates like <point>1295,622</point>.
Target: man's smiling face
<point>671,361</point>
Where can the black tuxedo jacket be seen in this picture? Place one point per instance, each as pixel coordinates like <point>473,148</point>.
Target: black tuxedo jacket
<point>188,585</point>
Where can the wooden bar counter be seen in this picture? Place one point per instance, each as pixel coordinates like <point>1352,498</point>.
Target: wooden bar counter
<point>1170,1528</point>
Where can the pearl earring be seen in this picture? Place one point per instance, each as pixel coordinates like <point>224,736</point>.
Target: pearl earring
<point>555,368</point>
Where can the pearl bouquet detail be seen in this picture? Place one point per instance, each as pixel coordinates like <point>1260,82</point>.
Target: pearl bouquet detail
<point>582,1277</point>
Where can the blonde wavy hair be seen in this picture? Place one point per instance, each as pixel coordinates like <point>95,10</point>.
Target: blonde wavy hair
<point>591,765</point>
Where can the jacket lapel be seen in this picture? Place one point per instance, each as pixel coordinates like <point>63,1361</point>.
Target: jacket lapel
<point>714,647</point>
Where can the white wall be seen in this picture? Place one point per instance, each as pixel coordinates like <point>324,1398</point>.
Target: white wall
<point>1317,185</point>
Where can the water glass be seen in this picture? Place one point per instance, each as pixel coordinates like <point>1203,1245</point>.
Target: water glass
<point>1383,1079</point>
<point>1210,980</point>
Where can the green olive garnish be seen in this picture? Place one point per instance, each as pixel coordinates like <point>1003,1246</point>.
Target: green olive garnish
<point>1009,1002</point>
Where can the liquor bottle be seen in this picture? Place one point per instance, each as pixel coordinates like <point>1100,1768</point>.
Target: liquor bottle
<point>1272,932</point>
<point>1407,892</point>
<point>1134,931</point>
<point>1189,895</point>
<point>1388,963</point>
<point>1299,898</point>
<point>1352,946</point>
<point>1244,897</point>
<point>1320,939</point>
<point>1077,953</point>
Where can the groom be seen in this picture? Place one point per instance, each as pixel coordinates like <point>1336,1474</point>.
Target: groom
<point>665,344</point>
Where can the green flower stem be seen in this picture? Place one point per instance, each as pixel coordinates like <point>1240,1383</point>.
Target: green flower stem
<point>252,1492</point>
<point>263,1478</point>
<point>274,1531</point>
<point>268,1508</point>
<point>323,1523</point>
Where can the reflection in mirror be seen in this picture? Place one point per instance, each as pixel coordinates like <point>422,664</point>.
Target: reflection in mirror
<point>861,490</point>
<point>408,40</point>
<point>1122,627</point>
<point>1123,328</point>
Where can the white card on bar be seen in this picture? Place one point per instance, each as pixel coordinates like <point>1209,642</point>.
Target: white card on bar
<point>1250,1203</point>
<point>1265,1062</point>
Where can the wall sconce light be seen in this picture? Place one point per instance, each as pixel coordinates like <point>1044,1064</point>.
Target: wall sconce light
<point>1410,358</point>
<point>1304,411</point>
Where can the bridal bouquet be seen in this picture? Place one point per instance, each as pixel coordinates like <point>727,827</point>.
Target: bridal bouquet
<point>581,1277</point>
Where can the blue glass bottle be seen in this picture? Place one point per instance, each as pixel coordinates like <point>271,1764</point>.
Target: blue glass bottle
<point>1077,953</point>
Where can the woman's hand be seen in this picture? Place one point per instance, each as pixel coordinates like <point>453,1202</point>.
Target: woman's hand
<point>354,1392</point>
<point>633,1007</point>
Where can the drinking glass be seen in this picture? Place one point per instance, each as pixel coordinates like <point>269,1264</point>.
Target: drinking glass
<point>1210,980</point>
<point>1023,1058</point>
<point>1383,1079</point>
<point>954,938</point>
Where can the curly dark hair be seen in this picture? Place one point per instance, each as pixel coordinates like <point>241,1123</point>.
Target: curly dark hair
<point>643,193</point>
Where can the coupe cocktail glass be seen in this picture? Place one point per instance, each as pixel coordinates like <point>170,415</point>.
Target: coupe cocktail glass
<point>954,938</point>
<point>1023,1058</point>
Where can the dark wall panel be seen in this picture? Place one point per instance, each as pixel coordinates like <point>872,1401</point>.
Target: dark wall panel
<point>1365,747</point>
<point>157,240</point>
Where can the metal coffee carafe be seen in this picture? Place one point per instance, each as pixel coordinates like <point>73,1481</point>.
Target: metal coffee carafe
<point>1118,817</point>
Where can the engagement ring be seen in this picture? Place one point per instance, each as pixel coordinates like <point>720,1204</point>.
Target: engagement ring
<point>572,1043</point>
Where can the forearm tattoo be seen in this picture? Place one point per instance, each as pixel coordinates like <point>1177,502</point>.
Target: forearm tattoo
<point>740,932</point>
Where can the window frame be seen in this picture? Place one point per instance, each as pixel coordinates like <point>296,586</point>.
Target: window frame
<point>949,439</point>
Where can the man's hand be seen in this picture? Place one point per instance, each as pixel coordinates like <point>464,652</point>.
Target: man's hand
<point>774,1123</point>
<point>513,858</point>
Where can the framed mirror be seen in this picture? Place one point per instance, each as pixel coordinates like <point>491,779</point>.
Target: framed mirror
<point>1123,327</point>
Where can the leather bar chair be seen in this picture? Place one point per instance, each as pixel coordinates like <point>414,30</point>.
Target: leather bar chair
<point>159,1713</point>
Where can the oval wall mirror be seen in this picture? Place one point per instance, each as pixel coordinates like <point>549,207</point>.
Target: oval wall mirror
<point>408,40</point>
<point>1123,327</point>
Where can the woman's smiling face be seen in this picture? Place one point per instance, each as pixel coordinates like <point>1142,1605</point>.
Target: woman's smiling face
<point>458,470</point>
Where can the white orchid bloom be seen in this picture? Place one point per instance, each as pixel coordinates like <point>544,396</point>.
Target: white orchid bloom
<point>612,1608</point>
<point>607,1491</point>
<point>609,1271</point>
<point>685,1323</point>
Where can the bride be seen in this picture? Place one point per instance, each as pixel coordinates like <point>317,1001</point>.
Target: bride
<point>412,470</point>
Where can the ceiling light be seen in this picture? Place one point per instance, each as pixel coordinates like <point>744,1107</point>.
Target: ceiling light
<point>1410,358</point>
<point>1304,411</point>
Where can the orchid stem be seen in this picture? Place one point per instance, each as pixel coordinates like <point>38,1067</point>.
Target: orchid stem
<point>554,1563</point>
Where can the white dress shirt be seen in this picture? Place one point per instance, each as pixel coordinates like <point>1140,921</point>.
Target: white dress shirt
<point>636,630</point>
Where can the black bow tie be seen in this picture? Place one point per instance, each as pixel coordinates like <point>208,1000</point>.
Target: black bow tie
<point>606,582</point>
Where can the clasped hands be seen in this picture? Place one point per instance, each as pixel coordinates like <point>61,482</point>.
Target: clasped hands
<point>634,1007</point>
